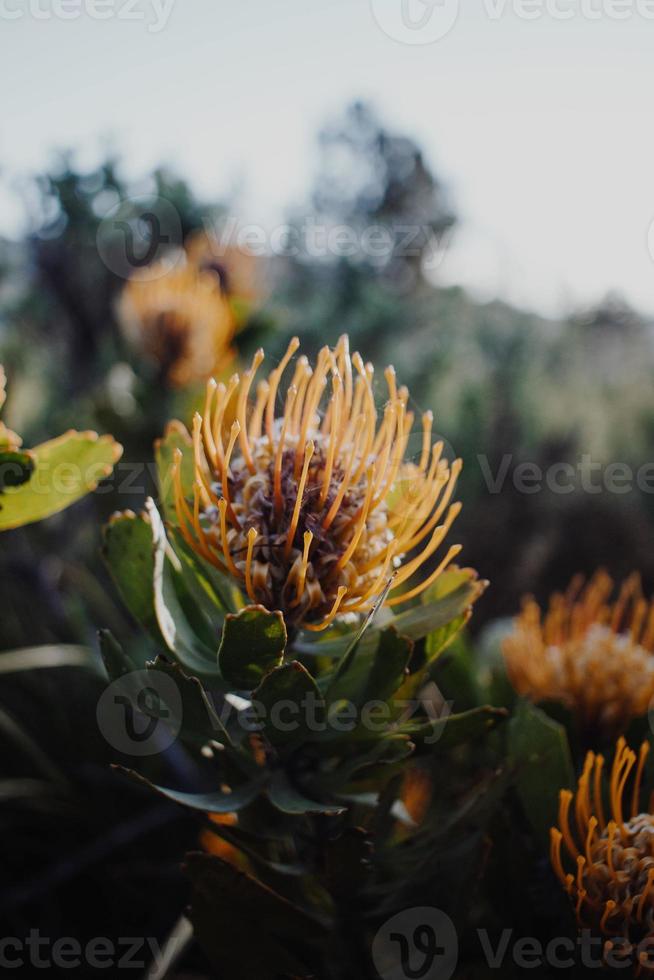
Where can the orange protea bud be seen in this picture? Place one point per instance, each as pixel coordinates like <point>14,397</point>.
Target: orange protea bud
<point>243,275</point>
<point>181,320</point>
<point>314,509</point>
<point>592,656</point>
<point>610,851</point>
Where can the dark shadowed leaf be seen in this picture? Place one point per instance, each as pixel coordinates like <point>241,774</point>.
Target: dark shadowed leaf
<point>284,701</point>
<point>116,661</point>
<point>290,799</point>
<point>199,722</point>
<point>540,756</point>
<point>211,801</point>
<point>450,730</point>
<point>253,643</point>
<point>246,929</point>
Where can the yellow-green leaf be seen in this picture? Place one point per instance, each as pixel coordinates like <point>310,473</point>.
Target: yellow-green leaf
<point>65,470</point>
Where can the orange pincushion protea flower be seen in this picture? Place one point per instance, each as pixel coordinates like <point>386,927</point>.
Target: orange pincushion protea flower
<point>181,320</point>
<point>593,656</point>
<point>611,881</point>
<point>314,510</point>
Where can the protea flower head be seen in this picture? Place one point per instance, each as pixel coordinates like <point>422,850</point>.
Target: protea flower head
<point>604,857</point>
<point>592,656</point>
<point>180,319</point>
<point>313,509</point>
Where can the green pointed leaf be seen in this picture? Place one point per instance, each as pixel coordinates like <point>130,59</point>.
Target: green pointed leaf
<point>281,702</point>
<point>389,666</point>
<point>456,676</point>
<point>540,756</point>
<point>117,663</point>
<point>450,730</point>
<point>440,639</point>
<point>422,620</point>
<point>253,643</point>
<point>371,765</point>
<point>289,799</point>
<point>246,929</point>
<point>177,632</point>
<point>375,673</point>
<point>129,553</point>
<point>213,801</point>
<point>65,470</point>
<point>364,639</point>
<point>199,723</point>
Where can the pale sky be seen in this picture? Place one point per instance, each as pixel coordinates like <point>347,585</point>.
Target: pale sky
<point>542,128</point>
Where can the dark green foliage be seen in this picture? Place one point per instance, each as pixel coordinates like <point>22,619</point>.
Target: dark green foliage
<point>253,642</point>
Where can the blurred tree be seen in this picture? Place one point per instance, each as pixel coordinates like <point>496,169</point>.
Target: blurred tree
<point>371,178</point>
<point>378,222</point>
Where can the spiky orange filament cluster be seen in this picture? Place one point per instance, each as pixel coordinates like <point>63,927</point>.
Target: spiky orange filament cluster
<point>610,850</point>
<point>313,510</point>
<point>593,656</point>
<point>180,319</point>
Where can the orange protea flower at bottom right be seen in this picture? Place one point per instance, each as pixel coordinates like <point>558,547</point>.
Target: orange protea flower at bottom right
<point>591,654</point>
<point>605,859</point>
